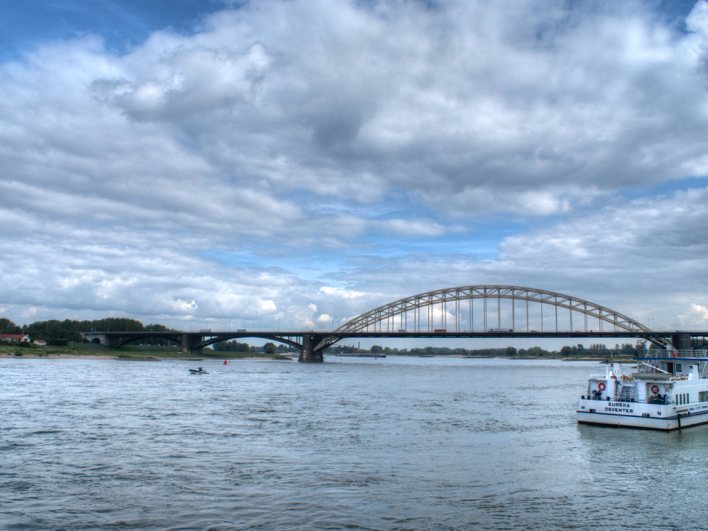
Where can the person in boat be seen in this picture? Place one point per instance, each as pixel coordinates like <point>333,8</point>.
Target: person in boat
<point>201,370</point>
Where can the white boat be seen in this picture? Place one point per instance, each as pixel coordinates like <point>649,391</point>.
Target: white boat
<point>668,391</point>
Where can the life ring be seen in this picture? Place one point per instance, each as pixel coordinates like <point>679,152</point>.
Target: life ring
<point>675,354</point>
<point>655,389</point>
<point>601,386</point>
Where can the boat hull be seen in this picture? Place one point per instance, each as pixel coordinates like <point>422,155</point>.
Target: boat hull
<point>640,415</point>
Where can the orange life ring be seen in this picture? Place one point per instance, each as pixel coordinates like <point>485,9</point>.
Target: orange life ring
<point>601,386</point>
<point>655,389</point>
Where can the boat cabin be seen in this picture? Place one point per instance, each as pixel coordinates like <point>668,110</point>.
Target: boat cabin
<point>661,377</point>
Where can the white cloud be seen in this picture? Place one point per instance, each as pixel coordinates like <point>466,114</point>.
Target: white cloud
<point>192,80</point>
<point>340,292</point>
<point>123,174</point>
<point>696,318</point>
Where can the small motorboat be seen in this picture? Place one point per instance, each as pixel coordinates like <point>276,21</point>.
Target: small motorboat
<point>198,371</point>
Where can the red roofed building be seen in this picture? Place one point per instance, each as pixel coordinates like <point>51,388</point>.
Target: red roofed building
<point>14,338</point>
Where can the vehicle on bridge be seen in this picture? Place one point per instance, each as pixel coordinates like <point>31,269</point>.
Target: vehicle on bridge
<point>668,391</point>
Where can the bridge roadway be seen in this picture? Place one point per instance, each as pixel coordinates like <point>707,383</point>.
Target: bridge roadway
<point>313,342</point>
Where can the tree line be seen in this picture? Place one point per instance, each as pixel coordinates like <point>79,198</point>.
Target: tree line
<point>268,348</point>
<point>60,333</point>
<point>597,350</point>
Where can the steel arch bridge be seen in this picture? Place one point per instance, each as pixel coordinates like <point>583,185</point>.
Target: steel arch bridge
<point>450,312</point>
<point>449,303</point>
<point>445,309</point>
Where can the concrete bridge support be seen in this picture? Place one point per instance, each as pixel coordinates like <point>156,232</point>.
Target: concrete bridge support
<point>308,354</point>
<point>681,341</point>
<point>99,339</point>
<point>188,342</point>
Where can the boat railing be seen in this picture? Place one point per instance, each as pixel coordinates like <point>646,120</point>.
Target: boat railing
<point>630,395</point>
<point>684,354</point>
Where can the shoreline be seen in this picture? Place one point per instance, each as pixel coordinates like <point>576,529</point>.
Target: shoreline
<point>34,356</point>
<point>136,357</point>
<point>59,356</point>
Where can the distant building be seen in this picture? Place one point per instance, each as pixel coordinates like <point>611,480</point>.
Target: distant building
<point>14,338</point>
<point>40,342</point>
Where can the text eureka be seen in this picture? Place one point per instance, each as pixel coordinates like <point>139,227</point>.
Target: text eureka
<point>619,407</point>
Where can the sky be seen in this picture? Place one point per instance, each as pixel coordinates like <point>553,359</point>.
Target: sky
<point>287,163</point>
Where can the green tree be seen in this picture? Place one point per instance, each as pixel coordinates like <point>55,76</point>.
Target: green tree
<point>269,348</point>
<point>8,327</point>
<point>231,346</point>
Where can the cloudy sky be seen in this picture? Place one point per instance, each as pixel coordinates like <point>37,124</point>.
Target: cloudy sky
<point>294,163</point>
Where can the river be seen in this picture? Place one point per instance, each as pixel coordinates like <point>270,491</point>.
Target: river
<point>389,444</point>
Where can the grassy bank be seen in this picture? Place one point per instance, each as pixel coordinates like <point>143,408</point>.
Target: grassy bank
<point>126,352</point>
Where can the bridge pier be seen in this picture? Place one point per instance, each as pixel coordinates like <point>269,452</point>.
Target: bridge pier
<point>308,354</point>
<point>188,341</point>
<point>681,341</point>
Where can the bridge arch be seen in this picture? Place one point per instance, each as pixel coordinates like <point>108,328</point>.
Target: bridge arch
<point>270,337</point>
<point>420,311</point>
<point>172,337</point>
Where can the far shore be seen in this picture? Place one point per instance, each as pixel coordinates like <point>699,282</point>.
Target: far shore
<point>137,357</point>
<point>34,355</point>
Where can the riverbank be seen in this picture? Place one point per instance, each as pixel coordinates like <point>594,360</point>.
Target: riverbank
<point>133,357</point>
<point>108,354</point>
<point>127,352</point>
<point>37,355</point>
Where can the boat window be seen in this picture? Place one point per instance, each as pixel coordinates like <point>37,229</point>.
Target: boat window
<point>670,368</point>
<point>688,398</point>
<point>703,396</point>
<point>679,367</point>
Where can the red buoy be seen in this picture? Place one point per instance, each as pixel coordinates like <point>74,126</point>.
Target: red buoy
<point>225,362</point>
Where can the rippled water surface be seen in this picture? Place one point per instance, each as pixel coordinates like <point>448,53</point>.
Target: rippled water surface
<point>396,443</point>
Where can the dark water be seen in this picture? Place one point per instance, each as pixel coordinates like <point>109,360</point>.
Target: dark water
<point>401,443</point>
